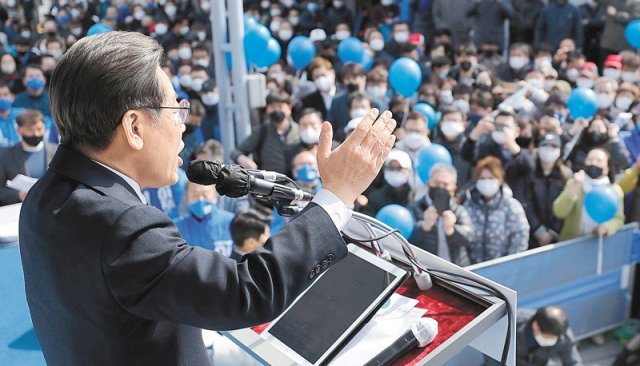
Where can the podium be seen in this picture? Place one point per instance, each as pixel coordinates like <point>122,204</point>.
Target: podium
<point>467,315</point>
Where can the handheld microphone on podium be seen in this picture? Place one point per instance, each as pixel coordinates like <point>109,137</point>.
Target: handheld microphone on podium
<point>422,332</point>
<point>234,181</point>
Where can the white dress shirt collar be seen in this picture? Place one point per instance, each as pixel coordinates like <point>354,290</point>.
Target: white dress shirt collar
<point>131,182</point>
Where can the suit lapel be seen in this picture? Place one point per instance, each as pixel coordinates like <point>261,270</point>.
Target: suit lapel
<point>78,167</point>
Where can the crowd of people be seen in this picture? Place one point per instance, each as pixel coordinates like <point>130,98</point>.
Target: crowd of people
<point>498,73</point>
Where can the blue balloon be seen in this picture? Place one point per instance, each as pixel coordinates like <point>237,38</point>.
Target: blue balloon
<point>301,50</point>
<point>249,22</point>
<point>632,33</point>
<point>428,112</point>
<point>601,203</point>
<point>405,76</point>
<point>430,156</point>
<point>366,62</point>
<point>397,217</point>
<point>255,40</point>
<point>582,103</point>
<point>269,55</point>
<point>98,28</point>
<point>350,50</point>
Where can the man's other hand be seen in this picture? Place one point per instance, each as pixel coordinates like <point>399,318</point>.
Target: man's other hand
<point>351,167</point>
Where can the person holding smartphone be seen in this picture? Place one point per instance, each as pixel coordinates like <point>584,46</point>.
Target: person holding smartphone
<point>443,227</point>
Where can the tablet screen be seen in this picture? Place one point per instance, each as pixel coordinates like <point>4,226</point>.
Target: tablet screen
<point>313,324</point>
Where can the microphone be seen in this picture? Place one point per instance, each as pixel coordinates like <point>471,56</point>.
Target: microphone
<point>234,181</point>
<point>422,332</point>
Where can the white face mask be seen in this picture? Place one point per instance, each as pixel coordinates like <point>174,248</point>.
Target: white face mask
<point>376,92</point>
<point>205,6</point>
<point>342,34</point>
<point>395,179</point>
<point>415,140</point>
<point>623,102</point>
<point>294,21</point>
<point>376,44</point>
<point>171,11</point>
<point>535,84</point>
<point>548,154</point>
<point>549,84</point>
<point>544,60</point>
<point>274,27</point>
<point>498,137</point>
<point>446,96</point>
<point>26,34</point>
<point>461,104</point>
<point>285,34</point>
<point>572,74</point>
<point>202,62</point>
<point>161,29</point>
<point>517,62</point>
<point>451,129</point>
<point>488,187</point>
<point>401,37</point>
<point>358,112</point>
<point>604,100</point>
<point>324,83</point>
<point>201,36</point>
<point>184,53</point>
<point>275,12</point>
<point>386,2</point>
<point>545,342</point>
<point>185,80</point>
<point>287,3</point>
<point>584,83</point>
<point>310,136</point>
<point>338,4</point>
<point>611,72</point>
<point>628,76</point>
<point>210,99</point>
<point>184,30</point>
<point>139,14</point>
<point>196,84</point>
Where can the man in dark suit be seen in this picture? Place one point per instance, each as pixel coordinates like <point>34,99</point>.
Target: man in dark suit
<point>30,157</point>
<point>109,280</point>
<point>249,231</point>
<point>323,76</point>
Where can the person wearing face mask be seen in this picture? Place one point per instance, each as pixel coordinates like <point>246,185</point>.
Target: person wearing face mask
<point>452,127</point>
<point>268,142</point>
<point>625,98</point>
<point>324,77</point>
<point>304,170</point>
<point>397,172</point>
<point>35,96</point>
<point>30,157</point>
<point>338,13</point>
<point>9,71</point>
<point>543,187</point>
<point>569,205</point>
<point>443,227</point>
<point>353,79</point>
<point>605,88</point>
<point>377,87</point>
<point>416,136</point>
<point>399,38</point>
<point>192,135</point>
<point>544,334</point>
<point>309,124</point>
<point>8,114</point>
<point>498,139</point>
<point>452,15</point>
<point>312,17</point>
<point>209,96</point>
<point>600,134</point>
<point>206,225</point>
<point>501,226</point>
<point>467,68</point>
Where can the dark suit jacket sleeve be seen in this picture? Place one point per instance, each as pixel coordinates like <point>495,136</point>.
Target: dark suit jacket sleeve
<point>154,274</point>
<point>7,195</point>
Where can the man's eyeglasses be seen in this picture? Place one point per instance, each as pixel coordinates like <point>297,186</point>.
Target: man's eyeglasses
<point>184,106</point>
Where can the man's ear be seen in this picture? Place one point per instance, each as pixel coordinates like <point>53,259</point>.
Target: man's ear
<point>133,129</point>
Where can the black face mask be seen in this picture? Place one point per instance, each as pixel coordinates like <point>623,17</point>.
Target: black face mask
<point>594,172</point>
<point>489,53</point>
<point>596,138</point>
<point>32,140</point>
<point>276,116</point>
<point>189,128</point>
<point>352,88</point>
<point>465,65</point>
<point>398,116</point>
<point>524,142</point>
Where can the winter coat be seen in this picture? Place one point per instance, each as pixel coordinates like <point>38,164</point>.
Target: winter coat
<point>557,22</point>
<point>387,195</point>
<point>488,25</point>
<point>615,147</point>
<point>459,242</point>
<point>501,225</point>
<point>613,34</point>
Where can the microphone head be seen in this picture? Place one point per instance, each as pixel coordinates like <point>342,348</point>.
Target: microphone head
<point>425,330</point>
<point>204,172</point>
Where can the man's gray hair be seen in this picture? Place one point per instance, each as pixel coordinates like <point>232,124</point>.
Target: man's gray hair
<point>444,168</point>
<point>98,80</point>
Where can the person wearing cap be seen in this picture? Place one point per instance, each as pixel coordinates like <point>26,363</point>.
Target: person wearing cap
<point>626,97</point>
<point>443,227</point>
<point>612,66</point>
<point>396,189</point>
<point>543,186</point>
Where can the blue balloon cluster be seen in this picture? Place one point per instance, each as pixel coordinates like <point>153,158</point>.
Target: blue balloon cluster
<point>582,103</point>
<point>405,76</point>
<point>428,112</point>
<point>300,51</point>
<point>397,217</point>
<point>632,33</point>
<point>430,156</point>
<point>601,203</point>
<point>260,48</point>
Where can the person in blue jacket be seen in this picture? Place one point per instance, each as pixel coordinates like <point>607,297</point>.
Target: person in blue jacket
<point>206,225</point>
